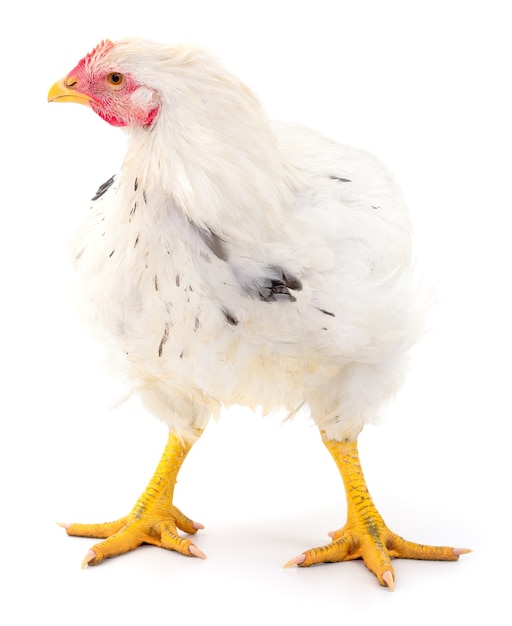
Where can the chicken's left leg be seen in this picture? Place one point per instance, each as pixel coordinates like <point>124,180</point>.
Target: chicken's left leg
<point>365,535</point>
<point>154,519</point>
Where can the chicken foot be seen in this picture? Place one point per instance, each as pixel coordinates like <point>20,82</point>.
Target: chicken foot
<point>365,535</point>
<point>154,519</point>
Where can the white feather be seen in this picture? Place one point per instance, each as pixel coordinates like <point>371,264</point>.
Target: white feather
<point>184,324</point>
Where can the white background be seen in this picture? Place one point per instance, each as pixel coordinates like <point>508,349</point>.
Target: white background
<point>425,86</point>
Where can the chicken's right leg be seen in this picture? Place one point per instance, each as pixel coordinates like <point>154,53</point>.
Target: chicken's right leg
<point>154,519</point>
<point>365,535</point>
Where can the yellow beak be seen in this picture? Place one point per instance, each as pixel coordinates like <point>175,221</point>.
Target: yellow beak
<point>64,91</point>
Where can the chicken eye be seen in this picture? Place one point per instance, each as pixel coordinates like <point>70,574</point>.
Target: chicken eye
<point>115,79</point>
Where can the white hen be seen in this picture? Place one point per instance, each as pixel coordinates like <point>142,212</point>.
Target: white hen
<point>233,261</point>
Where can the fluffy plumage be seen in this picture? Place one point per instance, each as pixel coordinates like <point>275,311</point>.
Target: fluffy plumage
<point>236,261</point>
<point>189,323</point>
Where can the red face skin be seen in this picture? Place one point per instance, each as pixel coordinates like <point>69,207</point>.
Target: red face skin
<point>116,97</point>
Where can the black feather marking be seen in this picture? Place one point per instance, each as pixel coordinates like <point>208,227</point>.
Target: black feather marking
<point>177,280</point>
<point>325,312</point>
<point>278,290</point>
<point>156,282</point>
<point>134,208</point>
<point>135,185</point>
<point>136,241</point>
<point>230,318</point>
<point>341,180</point>
<point>165,337</point>
<point>110,255</point>
<point>275,291</point>
<point>291,282</point>
<point>197,323</point>
<point>144,196</point>
<point>375,207</point>
<point>216,245</point>
<point>103,188</point>
<point>214,242</point>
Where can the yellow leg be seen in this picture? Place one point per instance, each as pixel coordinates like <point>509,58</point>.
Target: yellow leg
<point>154,519</point>
<point>365,535</point>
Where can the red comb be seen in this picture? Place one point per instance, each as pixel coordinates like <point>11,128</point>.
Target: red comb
<point>100,50</point>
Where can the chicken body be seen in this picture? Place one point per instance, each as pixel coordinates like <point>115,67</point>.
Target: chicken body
<point>235,261</point>
<point>193,320</point>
